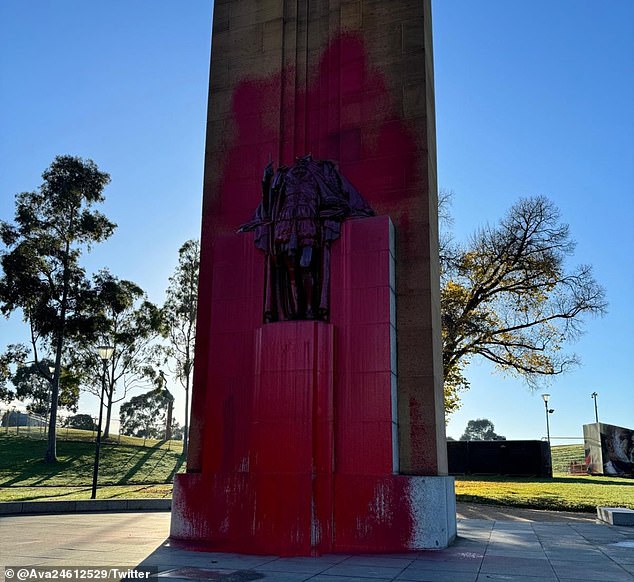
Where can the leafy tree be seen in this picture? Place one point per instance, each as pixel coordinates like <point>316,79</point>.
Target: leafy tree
<point>180,311</point>
<point>4,376</point>
<point>123,318</point>
<point>33,385</point>
<point>81,421</point>
<point>145,415</point>
<point>508,296</point>
<point>177,431</point>
<point>31,381</point>
<point>481,429</point>
<point>42,277</point>
<point>14,356</point>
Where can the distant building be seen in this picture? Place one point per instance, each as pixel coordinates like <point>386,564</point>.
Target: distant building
<point>17,418</point>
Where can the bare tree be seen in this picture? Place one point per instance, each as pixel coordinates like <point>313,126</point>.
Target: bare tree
<point>508,296</point>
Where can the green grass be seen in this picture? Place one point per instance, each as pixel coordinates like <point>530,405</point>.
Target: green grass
<point>564,492</point>
<point>75,434</point>
<point>129,470</point>
<point>23,474</point>
<point>75,493</point>
<point>563,455</point>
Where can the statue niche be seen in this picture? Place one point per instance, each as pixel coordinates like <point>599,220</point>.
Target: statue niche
<point>299,217</point>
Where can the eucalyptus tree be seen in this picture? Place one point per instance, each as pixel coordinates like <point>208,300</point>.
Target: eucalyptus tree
<point>145,415</point>
<point>33,386</point>
<point>481,429</point>
<point>41,273</point>
<point>180,311</point>
<point>122,317</point>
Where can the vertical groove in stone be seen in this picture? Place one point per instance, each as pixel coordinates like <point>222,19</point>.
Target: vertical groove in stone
<point>280,146</point>
<point>334,119</point>
<point>396,41</point>
<point>306,145</point>
<point>296,73</point>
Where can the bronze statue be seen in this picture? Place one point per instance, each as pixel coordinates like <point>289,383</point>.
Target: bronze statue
<point>298,219</point>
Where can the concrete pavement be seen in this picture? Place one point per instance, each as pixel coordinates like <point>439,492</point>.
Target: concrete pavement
<point>518,549</point>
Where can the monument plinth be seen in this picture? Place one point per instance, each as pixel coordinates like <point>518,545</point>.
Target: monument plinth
<point>317,421</point>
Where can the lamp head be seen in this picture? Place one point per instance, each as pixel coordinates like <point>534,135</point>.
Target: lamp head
<point>546,397</point>
<point>105,352</point>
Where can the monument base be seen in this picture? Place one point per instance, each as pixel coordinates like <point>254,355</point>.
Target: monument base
<point>406,513</point>
<point>300,451</point>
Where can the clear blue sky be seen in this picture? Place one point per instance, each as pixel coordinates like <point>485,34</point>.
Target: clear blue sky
<point>531,98</point>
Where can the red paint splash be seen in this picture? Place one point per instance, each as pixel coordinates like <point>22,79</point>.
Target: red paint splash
<point>346,114</point>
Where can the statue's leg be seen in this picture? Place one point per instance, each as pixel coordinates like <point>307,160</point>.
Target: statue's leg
<point>282,291</point>
<point>324,279</point>
<point>308,288</point>
<point>270,290</point>
<point>292,304</point>
<point>308,282</point>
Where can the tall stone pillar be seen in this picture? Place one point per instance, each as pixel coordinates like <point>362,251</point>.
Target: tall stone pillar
<point>349,81</point>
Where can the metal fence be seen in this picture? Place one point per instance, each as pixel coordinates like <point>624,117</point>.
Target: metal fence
<point>15,422</point>
<point>21,423</point>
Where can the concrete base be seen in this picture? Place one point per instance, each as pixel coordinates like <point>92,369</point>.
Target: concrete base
<point>395,513</point>
<point>433,501</point>
<point>616,515</point>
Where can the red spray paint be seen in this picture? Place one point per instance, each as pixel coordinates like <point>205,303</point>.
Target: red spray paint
<point>298,458</point>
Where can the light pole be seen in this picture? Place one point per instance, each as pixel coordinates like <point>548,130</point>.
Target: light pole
<point>596,410</point>
<point>546,398</point>
<point>51,371</point>
<point>105,353</point>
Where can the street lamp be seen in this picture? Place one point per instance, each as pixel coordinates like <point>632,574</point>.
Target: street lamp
<point>596,410</point>
<point>546,398</point>
<point>51,371</point>
<point>105,353</point>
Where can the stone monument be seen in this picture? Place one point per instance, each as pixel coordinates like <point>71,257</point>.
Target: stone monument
<point>317,412</point>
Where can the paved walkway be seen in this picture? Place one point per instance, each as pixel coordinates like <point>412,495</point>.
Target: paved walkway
<point>523,548</point>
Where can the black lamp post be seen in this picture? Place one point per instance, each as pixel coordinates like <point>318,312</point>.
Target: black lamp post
<point>546,398</point>
<point>105,353</point>
<point>596,410</point>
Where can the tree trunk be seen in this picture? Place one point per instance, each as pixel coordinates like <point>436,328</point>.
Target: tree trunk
<point>186,429</point>
<point>106,431</point>
<point>168,425</point>
<point>51,446</point>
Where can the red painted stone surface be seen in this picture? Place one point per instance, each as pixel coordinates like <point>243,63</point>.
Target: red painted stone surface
<point>351,82</point>
<point>346,112</point>
<point>299,456</point>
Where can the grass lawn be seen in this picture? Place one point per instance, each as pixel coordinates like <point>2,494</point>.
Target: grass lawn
<point>129,469</point>
<point>563,492</point>
<point>74,493</point>
<point>563,455</point>
<point>75,434</point>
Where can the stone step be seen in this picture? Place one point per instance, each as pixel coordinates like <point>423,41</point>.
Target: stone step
<point>616,515</point>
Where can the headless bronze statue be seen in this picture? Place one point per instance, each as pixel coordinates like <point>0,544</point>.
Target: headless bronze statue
<point>299,217</point>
